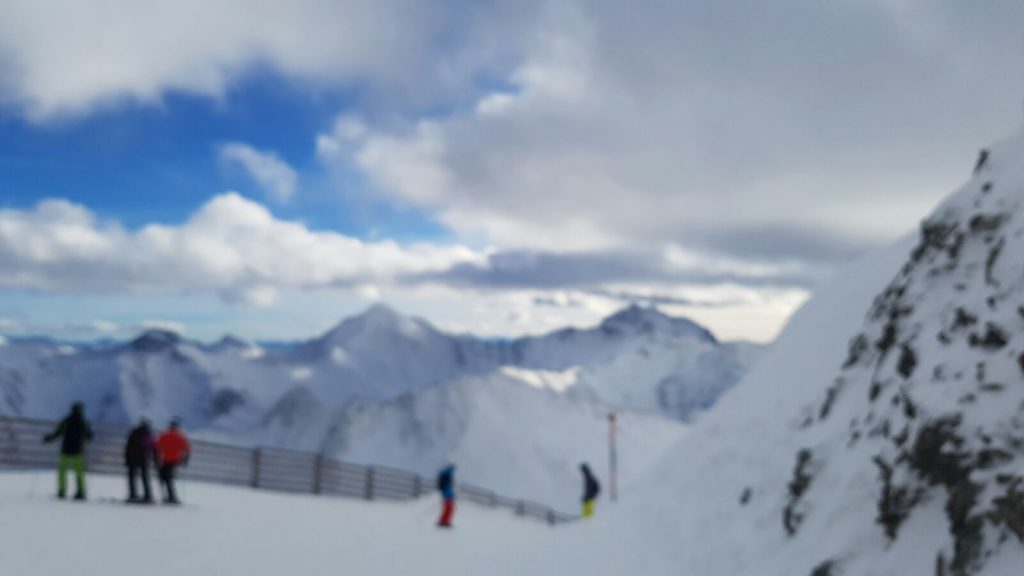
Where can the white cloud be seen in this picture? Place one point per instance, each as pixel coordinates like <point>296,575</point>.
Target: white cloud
<point>347,133</point>
<point>753,139</point>
<point>495,104</point>
<point>369,292</point>
<point>231,246</point>
<point>681,259</point>
<point>260,296</point>
<point>639,126</point>
<point>274,175</point>
<point>87,328</point>
<point>414,168</point>
<point>166,325</point>
<point>327,147</point>
<point>610,123</point>
<point>743,314</point>
<point>64,57</point>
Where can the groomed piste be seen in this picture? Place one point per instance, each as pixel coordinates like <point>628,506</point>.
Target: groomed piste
<point>238,531</point>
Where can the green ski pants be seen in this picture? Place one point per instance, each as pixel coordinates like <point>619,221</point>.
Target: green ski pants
<point>76,463</point>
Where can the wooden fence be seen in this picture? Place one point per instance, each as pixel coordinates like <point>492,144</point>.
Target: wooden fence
<point>263,468</point>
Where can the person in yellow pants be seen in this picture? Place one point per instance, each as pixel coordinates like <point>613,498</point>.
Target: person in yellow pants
<point>588,508</point>
<point>74,432</point>
<point>591,488</point>
<point>75,463</point>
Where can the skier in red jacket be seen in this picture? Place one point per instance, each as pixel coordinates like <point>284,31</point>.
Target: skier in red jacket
<point>173,450</point>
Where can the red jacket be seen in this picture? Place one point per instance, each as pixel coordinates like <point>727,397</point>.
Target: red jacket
<point>173,447</point>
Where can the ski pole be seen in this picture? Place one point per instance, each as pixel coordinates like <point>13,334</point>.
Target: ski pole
<point>183,483</point>
<point>35,482</point>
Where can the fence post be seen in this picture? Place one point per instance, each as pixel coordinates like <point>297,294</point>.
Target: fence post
<point>492,499</point>
<point>368,489</point>
<point>521,508</point>
<point>318,470</point>
<point>417,486</point>
<point>256,468</point>
<point>551,517</point>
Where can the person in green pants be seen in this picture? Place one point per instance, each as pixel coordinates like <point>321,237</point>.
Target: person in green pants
<point>75,432</point>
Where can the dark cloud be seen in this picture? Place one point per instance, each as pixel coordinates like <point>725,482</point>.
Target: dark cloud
<point>526,269</point>
<point>590,271</point>
<point>552,302</point>
<point>779,243</point>
<point>662,299</point>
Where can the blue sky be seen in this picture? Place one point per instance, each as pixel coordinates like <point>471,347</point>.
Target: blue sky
<point>143,164</point>
<point>497,167</point>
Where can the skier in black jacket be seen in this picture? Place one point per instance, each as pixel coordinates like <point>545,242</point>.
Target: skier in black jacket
<point>75,432</point>
<point>138,452</point>
<point>591,488</point>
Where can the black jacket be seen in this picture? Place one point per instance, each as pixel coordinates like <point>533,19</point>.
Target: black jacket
<point>138,450</point>
<point>75,432</point>
<point>591,487</point>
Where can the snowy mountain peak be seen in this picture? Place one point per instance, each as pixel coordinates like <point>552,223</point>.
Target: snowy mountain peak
<point>231,342</point>
<point>382,313</point>
<point>379,322</point>
<point>636,319</point>
<point>156,340</point>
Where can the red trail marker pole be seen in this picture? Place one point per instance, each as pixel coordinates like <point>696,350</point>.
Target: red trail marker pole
<point>613,460</point>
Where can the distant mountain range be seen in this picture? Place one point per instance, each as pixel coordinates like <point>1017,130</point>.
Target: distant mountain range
<point>389,389</point>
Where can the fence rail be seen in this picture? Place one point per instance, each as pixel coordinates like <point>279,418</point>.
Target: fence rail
<point>263,468</point>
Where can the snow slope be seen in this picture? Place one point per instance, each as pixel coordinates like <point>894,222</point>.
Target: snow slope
<point>237,532</point>
<point>505,435</point>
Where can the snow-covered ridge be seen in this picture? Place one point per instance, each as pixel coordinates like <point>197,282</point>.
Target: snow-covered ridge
<point>929,394</point>
<point>884,432</point>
